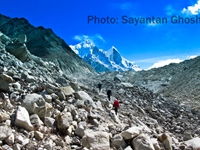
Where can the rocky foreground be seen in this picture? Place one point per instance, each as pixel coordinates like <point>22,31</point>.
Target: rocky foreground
<point>43,108</point>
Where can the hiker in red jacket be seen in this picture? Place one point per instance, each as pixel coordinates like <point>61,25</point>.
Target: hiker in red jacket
<point>116,105</point>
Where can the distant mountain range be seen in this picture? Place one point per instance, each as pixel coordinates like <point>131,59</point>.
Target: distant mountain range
<point>101,60</point>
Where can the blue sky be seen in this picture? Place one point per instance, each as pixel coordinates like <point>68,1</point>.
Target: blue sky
<point>146,44</point>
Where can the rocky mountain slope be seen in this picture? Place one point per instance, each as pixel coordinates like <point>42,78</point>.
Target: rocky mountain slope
<point>177,81</point>
<point>42,108</point>
<point>45,44</point>
<point>101,60</point>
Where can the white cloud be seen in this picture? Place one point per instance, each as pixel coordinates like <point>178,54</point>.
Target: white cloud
<point>192,10</point>
<point>91,39</point>
<point>193,56</point>
<point>165,62</point>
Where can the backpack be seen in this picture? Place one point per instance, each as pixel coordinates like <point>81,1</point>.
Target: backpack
<point>116,104</point>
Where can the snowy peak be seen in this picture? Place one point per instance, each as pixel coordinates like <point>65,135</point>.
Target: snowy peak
<point>114,55</point>
<point>101,60</point>
<point>83,48</point>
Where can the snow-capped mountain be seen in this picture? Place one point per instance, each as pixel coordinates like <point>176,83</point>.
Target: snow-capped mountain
<point>101,60</point>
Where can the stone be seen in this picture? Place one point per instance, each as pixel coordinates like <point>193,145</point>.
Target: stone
<point>35,103</point>
<point>38,135</point>
<point>17,146</point>
<point>61,96</point>
<point>68,140</point>
<point>30,78</point>
<point>10,140</point>
<point>127,85</point>
<point>49,122</point>
<point>195,143</point>
<point>142,142</point>
<point>35,121</point>
<point>22,38</point>
<point>82,96</point>
<point>70,130</point>
<point>5,80</point>
<point>166,140</point>
<point>48,144</point>
<point>96,140</point>
<point>63,121</point>
<point>128,148</point>
<point>20,51</point>
<point>22,119</point>
<point>117,141</point>
<point>80,129</point>
<point>6,147</point>
<point>67,90</point>
<point>29,101</point>
<point>5,132</point>
<point>155,144</point>
<point>16,85</point>
<point>3,117</point>
<point>47,98</point>
<point>131,132</point>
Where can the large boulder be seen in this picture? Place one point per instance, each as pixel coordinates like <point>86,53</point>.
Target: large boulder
<point>22,119</point>
<point>166,140</point>
<point>142,142</point>
<point>117,141</point>
<point>96,140</point>
<point>67,90</point>
<point>35,104</point>
<point>5,80</point>
<point>131,132</point>
<point>195,143</point>
<point>63,121</point>
<point>19,50</point>
<point>5,132</point>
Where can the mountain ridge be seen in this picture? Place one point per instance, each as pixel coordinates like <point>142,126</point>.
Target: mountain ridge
<point>101,60</point>
<point>45,43</point>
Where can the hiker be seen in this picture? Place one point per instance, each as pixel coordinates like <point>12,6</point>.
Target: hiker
<point>116,106</point>
<point>109,93</point>
<point>99,86</point>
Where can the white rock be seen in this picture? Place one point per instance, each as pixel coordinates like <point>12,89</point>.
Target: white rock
<point>155,143</point>
<point>63,121</point>
<point>49,122</point>
<point>128,148</point>
<point>117,141</point>
<point>5,132</point>
<point>96,140</point>
<point>22,119</point>
<point>38,135</point>
<point>19,139</point>
<point>17,146</point>
<point>49,144</point>
<point>30,78</point>
<point>35,103</point>
<point>67,90</point>
<point>3,117</point>
<point>47,98</point>
<point>68,140</point>
<point>82,96</point>
<point>127,85</point>
<point>10,139</point>
<point>131,132</point>
<point>195,143</point>
<point>142,142</point>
